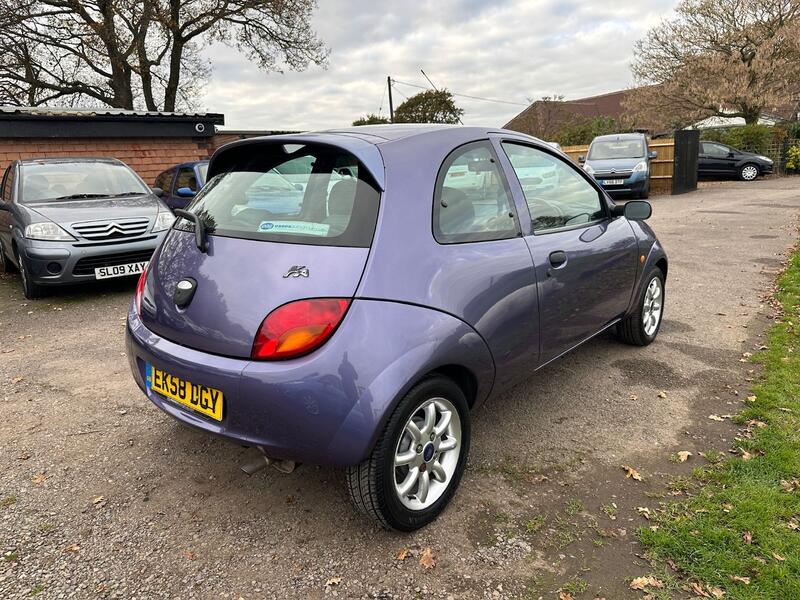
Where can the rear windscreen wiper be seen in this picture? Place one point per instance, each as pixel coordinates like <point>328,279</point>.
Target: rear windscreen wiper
<point>199,228</point>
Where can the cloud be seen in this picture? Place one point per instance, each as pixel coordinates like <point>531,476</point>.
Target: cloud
<point>511,50</point>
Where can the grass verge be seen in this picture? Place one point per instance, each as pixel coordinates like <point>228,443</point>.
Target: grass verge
<point>739,533</point>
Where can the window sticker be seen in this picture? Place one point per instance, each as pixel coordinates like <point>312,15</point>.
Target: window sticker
<point>294,227</point>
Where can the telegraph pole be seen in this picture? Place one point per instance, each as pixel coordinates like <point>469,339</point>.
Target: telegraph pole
<point>391,104</point>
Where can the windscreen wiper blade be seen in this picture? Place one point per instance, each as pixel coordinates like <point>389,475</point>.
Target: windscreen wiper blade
<point>124,194</point>
<point>79,196</point>
<point>199,228</point>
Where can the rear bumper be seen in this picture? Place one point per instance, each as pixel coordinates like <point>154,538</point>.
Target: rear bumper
<point>54,263</point>
<point>327,407</point>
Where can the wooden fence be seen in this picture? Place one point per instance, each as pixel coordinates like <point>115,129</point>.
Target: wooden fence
<point>660,168</point>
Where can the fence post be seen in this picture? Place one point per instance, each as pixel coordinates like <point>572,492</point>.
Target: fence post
<point>684,170</point>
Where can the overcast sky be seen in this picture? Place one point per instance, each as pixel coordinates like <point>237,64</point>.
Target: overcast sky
<point>509,50</point>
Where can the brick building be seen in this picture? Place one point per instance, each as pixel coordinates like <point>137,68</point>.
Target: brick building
<point>149,142</point>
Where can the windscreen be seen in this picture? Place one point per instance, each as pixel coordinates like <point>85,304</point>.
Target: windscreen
<point>293,193</point>
<point>606,149</point>
<point>54,182</point>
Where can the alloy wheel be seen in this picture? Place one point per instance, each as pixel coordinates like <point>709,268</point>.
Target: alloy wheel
<point>749,173</point>
<point>651,311</point>
<point>426,455</point>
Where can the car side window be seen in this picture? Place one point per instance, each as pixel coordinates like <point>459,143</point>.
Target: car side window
<point>8,184</point>
<point>164,180</point>
<point>471,200</point>
<point>556,194</point>
<point>715,149</point>
<point>186,179</point>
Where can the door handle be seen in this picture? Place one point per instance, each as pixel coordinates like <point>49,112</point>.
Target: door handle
<point>558,259</point>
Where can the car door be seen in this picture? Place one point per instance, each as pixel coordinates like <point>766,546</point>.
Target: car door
<point>716,159</point>
<point>184,179</point>
<point>6,196</point>
<point>585,261</point>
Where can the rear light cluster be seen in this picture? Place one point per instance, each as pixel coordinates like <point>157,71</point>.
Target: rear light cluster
<point>298,328</point>
<point>137,297</point>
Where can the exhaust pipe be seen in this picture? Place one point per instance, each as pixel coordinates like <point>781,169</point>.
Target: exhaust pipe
<point>262,461</point>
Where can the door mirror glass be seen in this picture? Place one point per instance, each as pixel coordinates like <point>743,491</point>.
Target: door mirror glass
<point>186,192</point>
<point>653,155</point>
<point>637,210</point>
<point>157,191</point>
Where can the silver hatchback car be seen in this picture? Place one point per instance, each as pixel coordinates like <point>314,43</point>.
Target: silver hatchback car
<point>71,220</point>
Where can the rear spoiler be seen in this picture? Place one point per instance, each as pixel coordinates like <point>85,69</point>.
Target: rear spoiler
<point>364,151</point>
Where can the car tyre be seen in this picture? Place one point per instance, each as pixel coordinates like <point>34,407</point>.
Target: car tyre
<point>379,486</point>
<point>31,289</point>
<point>641,327</point>
<point>645,194</point>
<point>748,172</point>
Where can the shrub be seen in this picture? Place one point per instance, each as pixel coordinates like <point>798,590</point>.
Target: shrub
<point>793,158</point>
<point>750,138</point>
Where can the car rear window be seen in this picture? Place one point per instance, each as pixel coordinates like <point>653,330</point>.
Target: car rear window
<point>294,193</point>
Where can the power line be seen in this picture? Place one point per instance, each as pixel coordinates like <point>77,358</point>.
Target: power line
<point>422,87</point>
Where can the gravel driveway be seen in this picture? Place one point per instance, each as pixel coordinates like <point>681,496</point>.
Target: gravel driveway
<point>103,496</point>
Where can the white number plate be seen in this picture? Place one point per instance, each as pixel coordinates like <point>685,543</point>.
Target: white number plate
<point>120,270</point>
<point>613,181</point>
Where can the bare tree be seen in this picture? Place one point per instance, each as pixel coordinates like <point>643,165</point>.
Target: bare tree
<point>141,53</point>
<point>732,58</point>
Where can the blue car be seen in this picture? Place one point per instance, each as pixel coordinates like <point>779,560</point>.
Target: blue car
<point>414,273</point>
<point>182,182</point>
<point>620,163</point>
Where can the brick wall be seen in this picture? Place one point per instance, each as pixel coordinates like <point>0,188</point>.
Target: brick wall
<point>147,156</point>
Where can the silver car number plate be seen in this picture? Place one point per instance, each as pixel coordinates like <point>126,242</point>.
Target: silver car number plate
<point>613,181</point>
<point>120,270</point>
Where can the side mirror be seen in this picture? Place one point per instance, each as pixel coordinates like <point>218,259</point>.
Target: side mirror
<point>653,155</point>
<point>157,191</point>
<point>581,158</point>
<point>731,154</point>
<point>633,210</point>
<point>186,192</point>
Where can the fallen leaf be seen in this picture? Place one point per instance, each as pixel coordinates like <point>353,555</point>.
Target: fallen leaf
<point>633,397</point>
<point>727,508</point>
<point>565,596</point>
<point>631,472</point>
<point>73,548</point>
<point>716,592</point>
<point>698,590</point>
<point>644,511</point>
<point>40,478</point>
<point>402,555</point>
<point>715,418</point>
<point>16,380</point>
<point>752,398</point>
<point>778,557</point>
<point>640,583</point>
<point>744,580</point>
<point>755,423</point>
<point>662,394</point>
<point>427,560</point>
<point>684,455</point>
<point>747,537</point>
<point>333,581</point>
<point>98,499</point>
<point>746,455</point>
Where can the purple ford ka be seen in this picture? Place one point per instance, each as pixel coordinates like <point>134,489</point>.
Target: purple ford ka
<point>356,316</point>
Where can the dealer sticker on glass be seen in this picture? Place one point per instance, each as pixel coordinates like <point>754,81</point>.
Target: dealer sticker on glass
<point>295,227</point>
